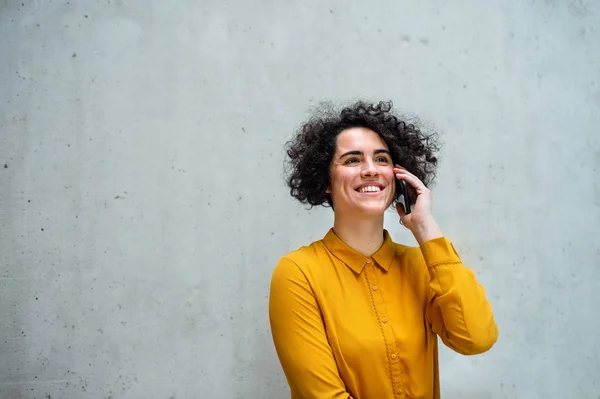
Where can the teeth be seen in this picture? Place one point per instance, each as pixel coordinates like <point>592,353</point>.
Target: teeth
<point>369,189</point>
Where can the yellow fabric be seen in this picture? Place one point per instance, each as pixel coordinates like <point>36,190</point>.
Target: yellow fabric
<point>348,326</point>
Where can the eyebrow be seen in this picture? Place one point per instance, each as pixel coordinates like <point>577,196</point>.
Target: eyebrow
<point>356,152</point>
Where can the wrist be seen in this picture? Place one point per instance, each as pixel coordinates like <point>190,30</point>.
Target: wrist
<point>426,230</point>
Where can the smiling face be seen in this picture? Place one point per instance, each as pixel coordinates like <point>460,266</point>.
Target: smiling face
<point>362,176</point>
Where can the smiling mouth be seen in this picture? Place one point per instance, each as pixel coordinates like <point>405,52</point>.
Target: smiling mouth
<point>369,189</point>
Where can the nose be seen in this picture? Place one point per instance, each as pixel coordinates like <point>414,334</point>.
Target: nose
<point>369,169</point>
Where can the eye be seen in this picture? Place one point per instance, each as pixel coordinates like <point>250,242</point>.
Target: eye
<point>351,160</point>
<point>382,159</point>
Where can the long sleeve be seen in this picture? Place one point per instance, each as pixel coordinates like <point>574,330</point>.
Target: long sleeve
<point>299,336</point>
<point>458,309</point>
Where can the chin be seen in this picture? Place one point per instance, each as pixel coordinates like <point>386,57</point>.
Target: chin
<point>372,209</point>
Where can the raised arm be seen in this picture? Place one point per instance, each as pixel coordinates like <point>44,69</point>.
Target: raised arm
<point>458,309</point>
<point>299,336</point>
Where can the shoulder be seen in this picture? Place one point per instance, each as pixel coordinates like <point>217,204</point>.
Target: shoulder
<point>407,252</point>
<point>409,258</point>
<point>303,257</point>
<point>428,254</point>
<point>304,263</point>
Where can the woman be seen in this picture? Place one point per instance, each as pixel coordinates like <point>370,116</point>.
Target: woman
<point>355,315</point>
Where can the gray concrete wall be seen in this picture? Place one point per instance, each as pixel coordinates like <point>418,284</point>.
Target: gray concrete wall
<point>142,205</point>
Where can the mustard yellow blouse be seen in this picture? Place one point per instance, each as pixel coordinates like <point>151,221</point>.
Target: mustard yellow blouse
<point>348,326</point>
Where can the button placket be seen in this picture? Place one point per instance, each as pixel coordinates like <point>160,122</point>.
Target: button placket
<point>386,327</point>
<point>396,365</point>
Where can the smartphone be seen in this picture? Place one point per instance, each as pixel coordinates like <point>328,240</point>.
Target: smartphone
<point>405,197</point>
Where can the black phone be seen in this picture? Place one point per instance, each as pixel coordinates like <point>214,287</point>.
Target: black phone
<point>405,197</point>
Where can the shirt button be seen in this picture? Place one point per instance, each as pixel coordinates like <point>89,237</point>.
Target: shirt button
<point>384,320</point>
<point>374,288</point>
<point>394,356</point>
<point>399,390</point>
<point>368,260</point>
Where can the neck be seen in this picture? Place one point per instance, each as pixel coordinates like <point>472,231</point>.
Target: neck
<point>364,235</point>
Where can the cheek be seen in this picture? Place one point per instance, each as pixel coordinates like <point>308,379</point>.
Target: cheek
<point>332,179</point>
<point>388,174</point>
<point>335,182</point>
<point>341,178</point>
<point>390,178</point>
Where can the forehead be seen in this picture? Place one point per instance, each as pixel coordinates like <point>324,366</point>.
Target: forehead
<point>359,138</point>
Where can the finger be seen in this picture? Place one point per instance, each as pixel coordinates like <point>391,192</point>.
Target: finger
<point>411,179</point>
<point>403,171</point>
<point>400,209</point>
<point>400,169</point>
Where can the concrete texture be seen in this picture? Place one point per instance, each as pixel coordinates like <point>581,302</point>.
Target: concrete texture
<point>142,205</point>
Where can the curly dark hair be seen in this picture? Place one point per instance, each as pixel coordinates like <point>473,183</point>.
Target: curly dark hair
<point>312,148</point>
